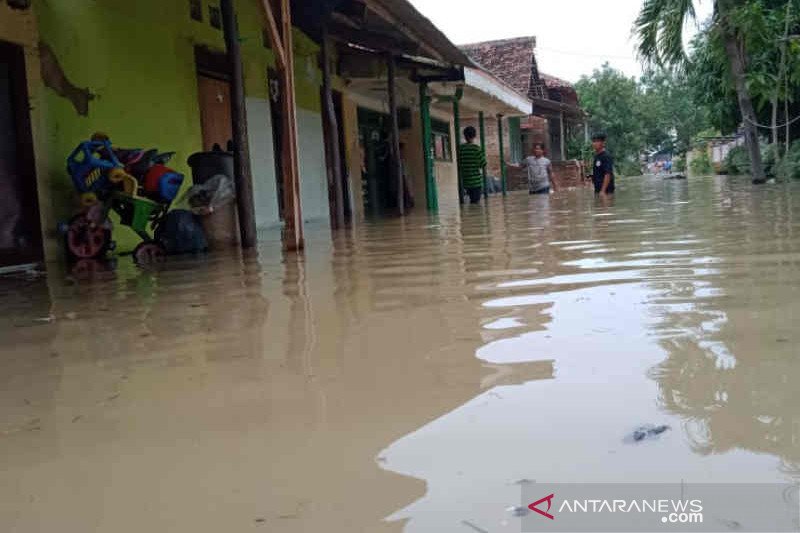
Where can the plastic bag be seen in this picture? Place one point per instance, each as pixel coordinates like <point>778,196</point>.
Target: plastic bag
<point>181,233</point>
<point>205,198</point>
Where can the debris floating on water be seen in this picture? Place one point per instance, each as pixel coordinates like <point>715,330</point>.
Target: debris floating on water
<point>473,526</point>
<point>518,511</point>
<point>647,432</point>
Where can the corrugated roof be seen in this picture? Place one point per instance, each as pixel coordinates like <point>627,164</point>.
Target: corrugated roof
<point>417,23</point>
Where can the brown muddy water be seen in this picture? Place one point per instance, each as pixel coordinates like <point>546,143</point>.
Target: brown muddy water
<point>407,375</point>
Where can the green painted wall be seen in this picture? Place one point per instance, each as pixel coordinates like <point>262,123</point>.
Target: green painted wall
<point>137,57</point>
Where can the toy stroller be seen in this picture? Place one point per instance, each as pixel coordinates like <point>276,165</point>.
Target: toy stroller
<point>135,184</point>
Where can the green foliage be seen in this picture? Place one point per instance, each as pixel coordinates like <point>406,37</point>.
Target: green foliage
<point>789,165</point>
<point>679,164</point>
<point>613,102</point>
<point>628,168</point>
<point>761,25</point>
<point>709,82</point>
<point>701,164</point>
<point>659,29</point>
<point>651,114</point>
<point>578,148</point>
<point>673,122</point>
<point>771,62</point>
<point>737,161</point>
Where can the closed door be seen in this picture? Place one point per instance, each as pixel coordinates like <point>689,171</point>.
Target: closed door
<point>20,237</point>
<point>215,112</point>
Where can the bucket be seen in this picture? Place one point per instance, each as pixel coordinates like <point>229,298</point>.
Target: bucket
<point>222,226</point>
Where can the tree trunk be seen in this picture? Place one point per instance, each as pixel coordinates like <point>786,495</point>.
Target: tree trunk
<point>745,103</point>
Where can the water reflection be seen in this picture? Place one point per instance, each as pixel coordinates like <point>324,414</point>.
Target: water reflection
<point>407,374</point>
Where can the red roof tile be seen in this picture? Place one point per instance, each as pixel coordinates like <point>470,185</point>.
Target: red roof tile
<point>511,60</point>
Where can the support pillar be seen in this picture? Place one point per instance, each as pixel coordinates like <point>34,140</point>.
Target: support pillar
<point>562,139</point>
<point>502,153</point>
<point>332,139</point>
<point>279,29</point>
<point>586,137</point>
<point>482,128</point>
<point>394,148</point>
<point>457,125</point>
<point>241,150</point>
<point>431,195</point>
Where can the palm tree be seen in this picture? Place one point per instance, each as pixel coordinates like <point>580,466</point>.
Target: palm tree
<point>659,28</point>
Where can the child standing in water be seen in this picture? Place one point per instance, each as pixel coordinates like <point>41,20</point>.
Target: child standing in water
<point>471,160</point>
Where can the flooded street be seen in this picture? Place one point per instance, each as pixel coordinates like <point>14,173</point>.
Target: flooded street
<point>410,374</point>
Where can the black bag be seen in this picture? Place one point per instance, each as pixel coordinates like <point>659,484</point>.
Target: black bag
<point>181,233</point>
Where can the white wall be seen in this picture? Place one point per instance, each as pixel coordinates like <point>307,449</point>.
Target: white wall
<point>262,162</point>
<point>313,173</point>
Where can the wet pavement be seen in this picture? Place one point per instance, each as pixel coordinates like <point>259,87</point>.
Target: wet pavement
<point>409,375</point>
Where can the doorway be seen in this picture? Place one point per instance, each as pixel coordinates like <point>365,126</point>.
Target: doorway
<point>214,94</point>
<point>373,138</point>
<point>215,112</point>
<point>20,230</point>
<point>276,112</point>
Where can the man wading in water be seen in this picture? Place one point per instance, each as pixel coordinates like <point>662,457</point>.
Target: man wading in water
<point>471,159</point>
<point>540,171</point>
<point>603,167</point>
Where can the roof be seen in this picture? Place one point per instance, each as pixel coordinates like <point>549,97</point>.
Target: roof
<point>493,87</point>
<point>554,83</point>
<point>409,18</point>
<point>511,60</point>
<point>385,25</point>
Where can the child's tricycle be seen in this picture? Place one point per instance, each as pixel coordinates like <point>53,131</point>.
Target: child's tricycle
<point>135,184</point>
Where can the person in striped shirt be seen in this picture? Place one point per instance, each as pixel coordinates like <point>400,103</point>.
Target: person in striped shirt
<point>471,161</point>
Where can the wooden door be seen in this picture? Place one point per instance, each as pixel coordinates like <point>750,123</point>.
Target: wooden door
<point>215,112</point>
<point>20,234</point>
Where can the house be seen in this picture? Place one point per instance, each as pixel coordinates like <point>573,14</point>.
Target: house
<point>555,118</point>
<point>310,96</point>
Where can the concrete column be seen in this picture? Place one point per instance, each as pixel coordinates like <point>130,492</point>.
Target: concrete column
<point>431,195</point>
<point>482,127</point>
<point>502,154</point>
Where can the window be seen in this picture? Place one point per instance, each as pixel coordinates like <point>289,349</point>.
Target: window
<point>215,17</point>
<point>515,140</point>
<point>442,147</point>
<point>196,10</point>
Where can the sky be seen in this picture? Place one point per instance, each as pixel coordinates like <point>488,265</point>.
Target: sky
<point>573,37</point>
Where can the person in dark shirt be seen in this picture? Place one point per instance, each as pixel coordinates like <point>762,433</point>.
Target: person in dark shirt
<point>603,167</point>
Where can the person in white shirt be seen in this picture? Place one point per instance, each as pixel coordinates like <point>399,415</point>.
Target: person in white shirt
<point>540,171</point>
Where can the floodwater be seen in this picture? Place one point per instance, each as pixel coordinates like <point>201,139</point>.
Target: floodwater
<point>408,375</point>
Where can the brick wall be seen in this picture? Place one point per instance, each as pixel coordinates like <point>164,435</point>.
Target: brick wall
<point>492,142</point>
<point>534,130</point>
<point>566,173</point>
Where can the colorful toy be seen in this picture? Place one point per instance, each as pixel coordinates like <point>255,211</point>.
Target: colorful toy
<point>135,184</point>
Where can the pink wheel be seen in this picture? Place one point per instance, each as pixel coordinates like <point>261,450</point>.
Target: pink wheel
<point>148,253</point>
<point>85,239</point>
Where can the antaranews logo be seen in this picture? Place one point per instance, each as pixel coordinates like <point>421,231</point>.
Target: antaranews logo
<point>659,507</point>
<point>671,511</point>
<point>534,506</point>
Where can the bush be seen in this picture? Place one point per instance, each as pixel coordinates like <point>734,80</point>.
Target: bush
<point>701,164</point>
<point>789,166</point>
<point>629,168</point>
<point>679,164</point>
<point>738,160</point>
